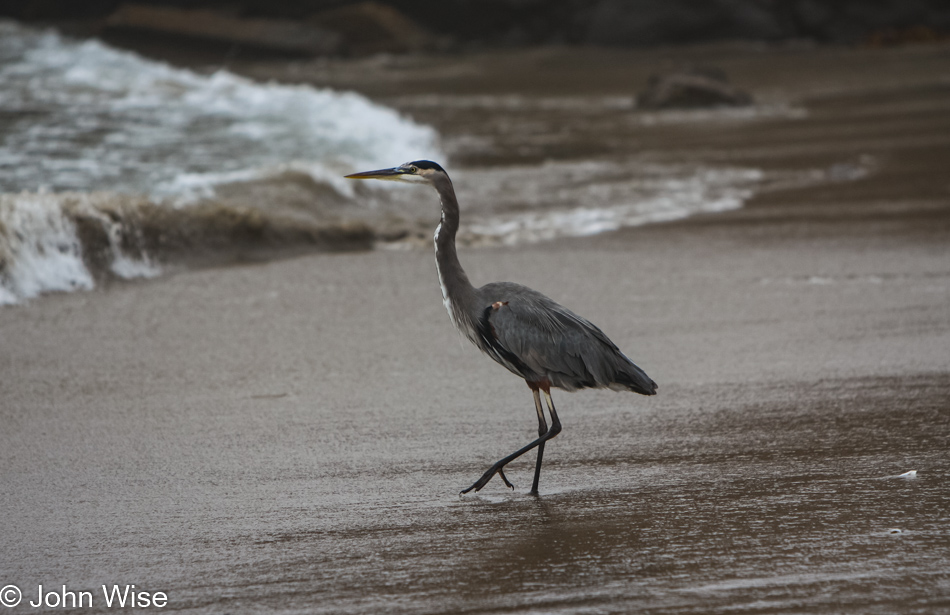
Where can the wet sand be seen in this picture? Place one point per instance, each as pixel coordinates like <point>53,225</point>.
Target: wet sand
<point>292,436</point>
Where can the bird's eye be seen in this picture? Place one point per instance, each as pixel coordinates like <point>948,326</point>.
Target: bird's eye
<point>413,170</point>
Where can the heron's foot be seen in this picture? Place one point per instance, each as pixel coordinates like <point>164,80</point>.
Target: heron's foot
<point>505,478</point>
<point>487,476</point>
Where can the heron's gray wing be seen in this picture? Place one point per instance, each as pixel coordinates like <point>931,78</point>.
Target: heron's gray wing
<point>548,339</point>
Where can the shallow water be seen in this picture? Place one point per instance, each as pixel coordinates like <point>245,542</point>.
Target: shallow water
<point>135,143</point>
<point>779,503</point>
<point>726,514</point>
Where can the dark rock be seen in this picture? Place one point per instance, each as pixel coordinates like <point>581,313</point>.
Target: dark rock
<point>371,27</point>
<point>653,22</point>
<point>269,34</point>
<point>57,10</point>
<point>691,89</point>
<point>495,22</point>
<point>854,20</point>
<point>889,37</point>
<point>531,22</point>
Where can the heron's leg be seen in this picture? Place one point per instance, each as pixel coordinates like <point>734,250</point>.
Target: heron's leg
<point>542,429</point>
<point>552,431</point>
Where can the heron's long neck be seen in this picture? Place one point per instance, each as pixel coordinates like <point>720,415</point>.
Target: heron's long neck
<point>458,295</point>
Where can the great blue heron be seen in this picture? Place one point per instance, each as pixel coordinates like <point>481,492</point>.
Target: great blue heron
<point>531,335</point>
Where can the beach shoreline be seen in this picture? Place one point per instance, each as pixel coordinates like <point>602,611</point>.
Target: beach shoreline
<point>292,435</point>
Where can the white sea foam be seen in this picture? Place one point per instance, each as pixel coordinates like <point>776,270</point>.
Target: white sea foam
<point>515,204</point>
<point>599,104</point>
<point>89,117</point>
<point>515,102</point>
<point>722,114</point>
<point>570,200</point>
<point>40,249</point>
<point>83,117</point>
<point>80,117</point>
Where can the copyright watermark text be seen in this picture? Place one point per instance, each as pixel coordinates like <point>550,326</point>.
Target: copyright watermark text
<point>109,596</point>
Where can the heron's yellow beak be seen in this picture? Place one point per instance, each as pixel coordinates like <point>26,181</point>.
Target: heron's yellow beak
<point>390,174</point>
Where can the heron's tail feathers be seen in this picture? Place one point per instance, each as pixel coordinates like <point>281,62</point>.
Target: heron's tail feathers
<point>633,378</point>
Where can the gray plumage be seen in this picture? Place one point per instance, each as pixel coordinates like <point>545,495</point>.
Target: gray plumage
<point>553,343</point>
<point>528,333</point>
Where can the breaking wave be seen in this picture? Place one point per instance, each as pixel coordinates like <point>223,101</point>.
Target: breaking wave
<point>519,204</point>
<point>579,199</point>
<point>110,163</point>
<point>113,166</point>
<point>69,241</point>
<point>83,116</point>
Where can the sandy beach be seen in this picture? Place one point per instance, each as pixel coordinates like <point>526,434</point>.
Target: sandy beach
<point>291,436</point>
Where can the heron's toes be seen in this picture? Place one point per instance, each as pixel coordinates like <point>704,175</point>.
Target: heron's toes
<point>487,476</point>
<point>505,478</point>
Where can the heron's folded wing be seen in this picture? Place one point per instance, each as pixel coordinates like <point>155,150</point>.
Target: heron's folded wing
<point>550,339</point>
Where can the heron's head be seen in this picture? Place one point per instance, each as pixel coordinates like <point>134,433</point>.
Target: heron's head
<point>415,172</point>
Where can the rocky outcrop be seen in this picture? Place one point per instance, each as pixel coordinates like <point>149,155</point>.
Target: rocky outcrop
<point>691,88</point>
<point>278,35</point>
<point>371,27</point>
<point>655,22</point>
<point>356,29</point>
<point>397,24</point>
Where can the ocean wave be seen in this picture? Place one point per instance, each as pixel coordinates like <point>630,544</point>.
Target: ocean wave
<point>69,241</point>
<point>716,192</point>
<point>82,116</point>
<point>571,199</point>
<point>117,167</point>
<point>113,165</point>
